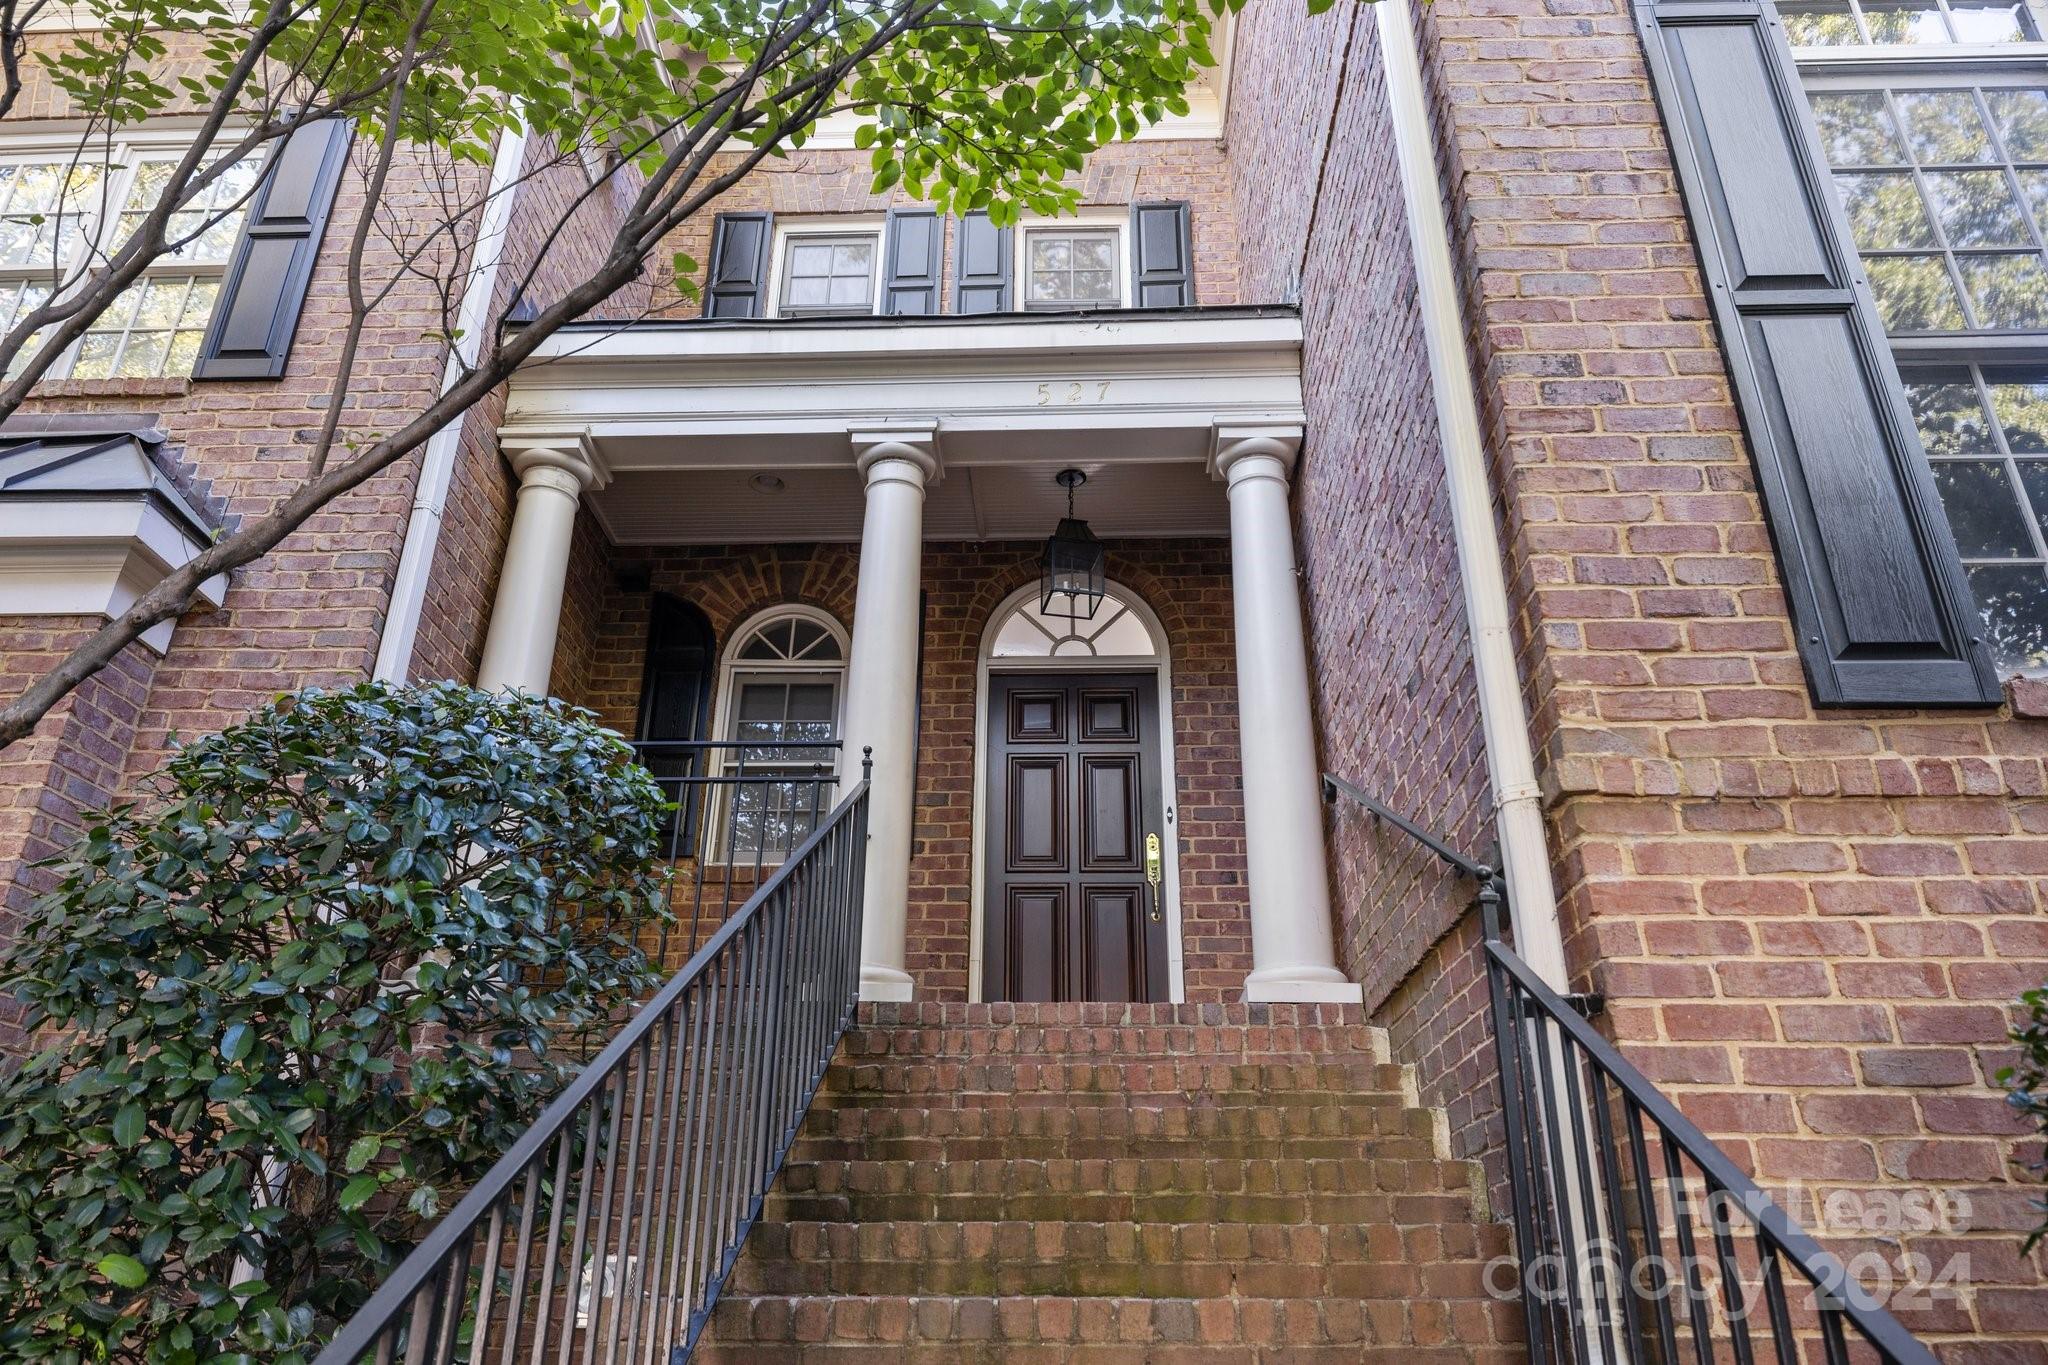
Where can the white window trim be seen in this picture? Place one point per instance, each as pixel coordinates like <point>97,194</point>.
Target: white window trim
<point>847,225</point>
<point>732,669</point>
<point>1087,221</point>
<point>1892,56</point>
<point>123,156</point>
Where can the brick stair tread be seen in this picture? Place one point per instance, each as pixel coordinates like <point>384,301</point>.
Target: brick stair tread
<point>1357,1174</point>
<point>1125,1076</point>
<point>1333,1147</point>
<point>1082,1353</point>
<point>1141,1260</point>
<point>1161,1207</point>
<point>1021,1242</point>
<point>1361,1115</point>
<point>964,1322</point>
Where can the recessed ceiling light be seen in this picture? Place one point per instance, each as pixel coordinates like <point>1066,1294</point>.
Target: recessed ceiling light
<point>765,483</point>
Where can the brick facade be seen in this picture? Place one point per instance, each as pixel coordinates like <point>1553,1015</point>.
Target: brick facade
<point>1185,582</point>
<point>1809,927</point>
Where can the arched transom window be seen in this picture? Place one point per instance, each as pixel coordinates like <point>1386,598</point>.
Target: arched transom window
<point>1118,630</point>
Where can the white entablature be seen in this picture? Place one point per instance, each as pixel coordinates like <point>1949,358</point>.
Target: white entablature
<point>1014,389</point>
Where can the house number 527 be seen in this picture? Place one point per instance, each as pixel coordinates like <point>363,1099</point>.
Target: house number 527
<point>1071,391</point>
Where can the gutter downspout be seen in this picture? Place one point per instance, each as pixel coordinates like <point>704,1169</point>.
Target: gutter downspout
<point>437,468</point>
<point>1511,765</point>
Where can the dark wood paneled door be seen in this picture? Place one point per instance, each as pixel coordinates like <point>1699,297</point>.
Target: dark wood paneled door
<point>1073,782</point>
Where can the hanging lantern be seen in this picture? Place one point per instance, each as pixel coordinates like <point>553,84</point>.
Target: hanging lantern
<point>1070,581</point>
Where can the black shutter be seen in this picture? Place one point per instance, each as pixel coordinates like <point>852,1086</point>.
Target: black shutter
<point>675,704</point>
<point>740,245</point>
<point>982,266</point>
<point>911,248</point>
<point>1877,593</point>
<point>1162,256</point>
<point>257,311</point>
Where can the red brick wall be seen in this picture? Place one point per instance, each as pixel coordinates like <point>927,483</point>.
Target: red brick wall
<point>1187,582</point>
<point>70,764</point>
<point>831,181</point>
<point>1392,662</point>
<point>1810,926</point>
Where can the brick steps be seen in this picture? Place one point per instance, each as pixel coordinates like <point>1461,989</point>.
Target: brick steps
<point>1115,1184</point>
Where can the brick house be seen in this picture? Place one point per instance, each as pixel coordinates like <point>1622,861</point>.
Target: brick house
<point>1609,435</point>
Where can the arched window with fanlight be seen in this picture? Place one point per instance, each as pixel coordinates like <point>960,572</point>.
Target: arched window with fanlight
<point>782,687</point>
<point>1116,631</point>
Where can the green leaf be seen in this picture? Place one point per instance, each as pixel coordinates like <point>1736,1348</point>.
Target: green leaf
<point>129,1125</point>
<point>236,1041</point>
<point>362,1152</point>
<point>357,1193</point>
<point>125,1271</point>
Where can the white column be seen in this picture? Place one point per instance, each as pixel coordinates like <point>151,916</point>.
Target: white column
<point>519,650</point>
<point>881,688</point>
<point>1293,953</point>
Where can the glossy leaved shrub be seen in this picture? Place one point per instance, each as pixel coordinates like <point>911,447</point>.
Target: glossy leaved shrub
<point>294,1001</point>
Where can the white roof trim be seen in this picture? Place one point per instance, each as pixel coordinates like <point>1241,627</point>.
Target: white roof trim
<point>1017,390</point>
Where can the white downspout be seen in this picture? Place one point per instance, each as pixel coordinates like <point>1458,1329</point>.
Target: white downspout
<point>437,467</point>
<point>1511,766</point>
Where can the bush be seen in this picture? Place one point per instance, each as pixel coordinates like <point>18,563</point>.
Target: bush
<point>318,985</point>
<point>2028,1081</point>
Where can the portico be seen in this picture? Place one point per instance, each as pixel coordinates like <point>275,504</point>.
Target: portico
<point>899,434</point>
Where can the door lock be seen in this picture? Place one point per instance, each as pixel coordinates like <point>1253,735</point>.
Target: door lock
<point>1152,871</point>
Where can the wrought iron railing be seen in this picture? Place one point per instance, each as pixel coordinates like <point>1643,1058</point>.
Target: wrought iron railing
<point>608,1230</point>
<point>1640,1240</point>
<point>741,808</point>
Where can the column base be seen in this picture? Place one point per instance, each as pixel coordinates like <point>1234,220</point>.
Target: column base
<point>1302,985</point>
<point>884,983</point>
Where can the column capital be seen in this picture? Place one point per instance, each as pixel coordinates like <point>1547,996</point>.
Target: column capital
<point>915,442</point>
<point>572,454</point>
<point>1236,441</point>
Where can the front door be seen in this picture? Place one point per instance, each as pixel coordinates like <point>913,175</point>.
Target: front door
<point>1073,782</point>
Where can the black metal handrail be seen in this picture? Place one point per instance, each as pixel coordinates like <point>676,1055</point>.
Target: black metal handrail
<point>1617,1197</point>
<point>740,807</point>
<point>612,1223</point>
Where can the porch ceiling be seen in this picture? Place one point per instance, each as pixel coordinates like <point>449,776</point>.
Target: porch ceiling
<point>681,417</point>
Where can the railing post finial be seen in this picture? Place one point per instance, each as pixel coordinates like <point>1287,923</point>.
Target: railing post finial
<point>867,762</point>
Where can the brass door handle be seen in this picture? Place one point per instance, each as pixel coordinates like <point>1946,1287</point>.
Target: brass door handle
<point>1153,870</point>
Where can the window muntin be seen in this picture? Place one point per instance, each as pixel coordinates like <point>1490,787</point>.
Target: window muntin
<point>1946,191</point>
<point>1985,428</point>
<point>828,274</point>
<point>1115,631</point>
<point>152,329</point>
<point>1072,267</point>
<point>783,690</point>
<point>1866,23</point>
<point>1933,119</point>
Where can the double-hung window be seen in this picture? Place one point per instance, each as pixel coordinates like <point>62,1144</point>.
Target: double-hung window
<point>827,272</point>
<point>62,213</point>
<point>1933,120</point>
<point>1069,267</point>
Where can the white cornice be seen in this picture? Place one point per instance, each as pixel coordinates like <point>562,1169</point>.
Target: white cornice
<point>1002,392</point>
